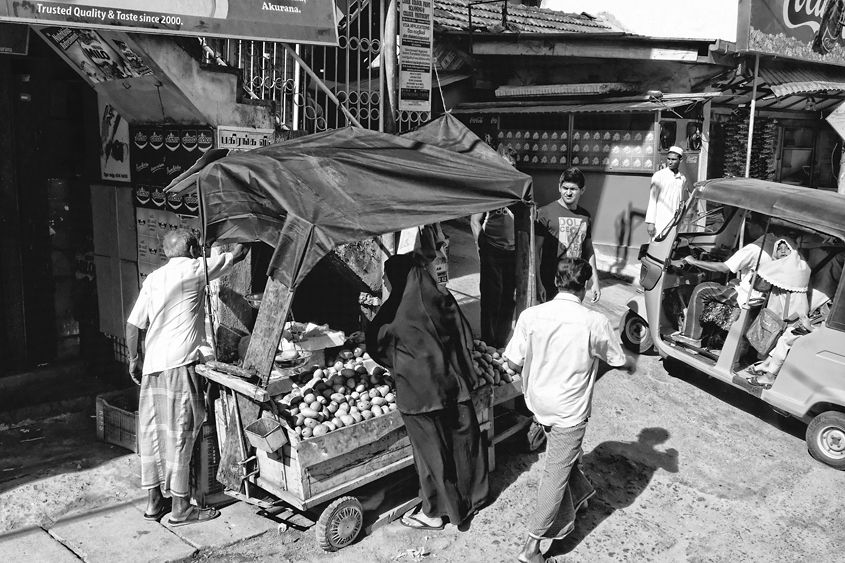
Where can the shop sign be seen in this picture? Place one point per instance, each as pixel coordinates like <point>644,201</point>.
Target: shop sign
<point>92,56</point>
<point>296,21</point>
<point>416,33</point>
<point>14,39</point>
<point>114,143</point>
<point>243,138</point>
<point>158,154</point>
<point>799,29</point>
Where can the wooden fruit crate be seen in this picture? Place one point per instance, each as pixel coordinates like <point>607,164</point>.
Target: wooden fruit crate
<point>306,473</point>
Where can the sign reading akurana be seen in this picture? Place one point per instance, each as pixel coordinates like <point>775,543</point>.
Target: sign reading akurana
<point>298,21</point>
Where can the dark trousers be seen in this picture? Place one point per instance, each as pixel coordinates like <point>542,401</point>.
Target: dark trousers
<point>451,461</point>
<point>498,287</point>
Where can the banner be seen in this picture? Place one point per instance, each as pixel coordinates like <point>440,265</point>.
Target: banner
<point>789,28</point>
<point>296,21</point>
<point>243,138</point>
<point>416,32</point>
<point>94,57</point>
<point>114,143</point>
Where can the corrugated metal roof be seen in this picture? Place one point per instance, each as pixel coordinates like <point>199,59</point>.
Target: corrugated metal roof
<point>596,107</point>
<point>786,81</point>
<point>453,15</point>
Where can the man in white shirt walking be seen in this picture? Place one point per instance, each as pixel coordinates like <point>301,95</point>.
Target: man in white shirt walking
<point>669,190</point>
<point>556,346</point>
<point>171,409</point>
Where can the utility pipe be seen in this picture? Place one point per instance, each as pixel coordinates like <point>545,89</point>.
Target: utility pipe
<point>321,85</point>
<point>751,119</point>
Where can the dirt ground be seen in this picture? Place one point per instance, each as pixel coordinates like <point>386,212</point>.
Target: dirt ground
<point>687,469</point>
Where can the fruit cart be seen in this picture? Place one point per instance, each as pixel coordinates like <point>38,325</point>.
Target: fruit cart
<point>351,184</point>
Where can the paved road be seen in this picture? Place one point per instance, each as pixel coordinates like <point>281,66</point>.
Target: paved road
<point>687,469</point>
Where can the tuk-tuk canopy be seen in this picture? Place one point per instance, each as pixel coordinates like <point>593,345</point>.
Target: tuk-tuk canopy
<point>816,209</point>
<point>308,195</point>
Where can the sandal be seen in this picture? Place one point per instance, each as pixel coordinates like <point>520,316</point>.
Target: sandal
<point>754,382</point>
<point>195,516</point>
<point>166,505</point>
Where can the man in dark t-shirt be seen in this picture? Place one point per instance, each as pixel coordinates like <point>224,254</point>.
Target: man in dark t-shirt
<point>563,229</point>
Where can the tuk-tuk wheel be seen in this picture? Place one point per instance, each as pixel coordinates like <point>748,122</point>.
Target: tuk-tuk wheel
<point>635,334</point>
<point>826,438</point>
<point>340,523</point>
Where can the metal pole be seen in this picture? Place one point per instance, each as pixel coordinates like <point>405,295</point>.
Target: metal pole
<point>751,119</point>
<point>321,85</point>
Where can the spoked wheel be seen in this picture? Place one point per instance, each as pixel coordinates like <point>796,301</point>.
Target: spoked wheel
<point>826,438</point>
<point>340,524</point>
<point>635,334</point>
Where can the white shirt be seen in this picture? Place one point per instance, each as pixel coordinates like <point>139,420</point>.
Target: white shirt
<point>742,262</point>
<point>667,194</point>
<point>170,307</point>
<point>558,345</point>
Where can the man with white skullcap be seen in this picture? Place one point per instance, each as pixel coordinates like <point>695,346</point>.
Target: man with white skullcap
<point>669,190</point>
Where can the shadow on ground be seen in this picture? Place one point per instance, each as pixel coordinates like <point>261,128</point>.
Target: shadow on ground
<point>620,472</point>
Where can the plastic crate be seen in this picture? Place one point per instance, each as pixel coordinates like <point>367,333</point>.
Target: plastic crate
<point>117,418</point>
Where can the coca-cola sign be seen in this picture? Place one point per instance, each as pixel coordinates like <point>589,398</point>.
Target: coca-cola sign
<point>788,28</point>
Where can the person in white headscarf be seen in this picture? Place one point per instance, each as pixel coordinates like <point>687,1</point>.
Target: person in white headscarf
<point>818,298</point>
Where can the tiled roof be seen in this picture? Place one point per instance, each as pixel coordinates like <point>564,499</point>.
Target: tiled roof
<point>453,15</point>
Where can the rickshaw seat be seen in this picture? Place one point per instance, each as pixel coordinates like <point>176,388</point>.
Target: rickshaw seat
<point>735,338</point>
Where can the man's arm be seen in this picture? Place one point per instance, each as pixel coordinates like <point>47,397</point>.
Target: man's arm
<point>475,225</point>
<point>135,363</point>
<point>719,267</point>
<point>595,287</point>
<point>239,252</point>
<point>538,259</point>
<point>515,367</point>
<point>651,210</point>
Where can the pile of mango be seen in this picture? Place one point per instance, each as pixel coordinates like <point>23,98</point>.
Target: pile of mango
<point>342,394</point>
<point>490,365</point>
<point>324,399</point>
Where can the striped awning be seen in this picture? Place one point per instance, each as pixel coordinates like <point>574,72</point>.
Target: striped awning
<point>789,81</point>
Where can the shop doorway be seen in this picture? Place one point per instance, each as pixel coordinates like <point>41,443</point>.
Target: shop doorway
<point>47,139</point>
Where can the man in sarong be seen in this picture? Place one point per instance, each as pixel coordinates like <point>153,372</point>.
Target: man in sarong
<point>171,410</point>
<point>556,346</point>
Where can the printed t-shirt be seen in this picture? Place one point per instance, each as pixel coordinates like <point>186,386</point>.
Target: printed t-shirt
<point>564,232</point>
<point>497,228</point>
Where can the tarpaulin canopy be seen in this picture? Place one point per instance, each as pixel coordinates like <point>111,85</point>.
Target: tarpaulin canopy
<point>308,195</point>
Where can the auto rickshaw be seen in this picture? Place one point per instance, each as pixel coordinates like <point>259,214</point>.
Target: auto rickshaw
<point>712,225</point>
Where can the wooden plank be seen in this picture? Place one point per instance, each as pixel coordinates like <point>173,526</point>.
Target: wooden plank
<point>370,476</point>
<point>394,513</point>
<point>346,440</point>
<point>507,392</point>
<point>243,387</point>
<point>267,332</point>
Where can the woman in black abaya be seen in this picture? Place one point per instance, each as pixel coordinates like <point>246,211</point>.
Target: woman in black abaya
<point>421,336</point>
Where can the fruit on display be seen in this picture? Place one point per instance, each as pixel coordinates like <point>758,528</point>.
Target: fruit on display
<point>352,389</point>
<point>342,394</point>
<point>490,365</point>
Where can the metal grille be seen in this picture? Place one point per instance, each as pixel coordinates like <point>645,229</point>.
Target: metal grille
<point>351,71</point>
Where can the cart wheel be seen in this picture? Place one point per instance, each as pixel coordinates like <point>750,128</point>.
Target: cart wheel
<point>340,523</point>
<point>635,334</point>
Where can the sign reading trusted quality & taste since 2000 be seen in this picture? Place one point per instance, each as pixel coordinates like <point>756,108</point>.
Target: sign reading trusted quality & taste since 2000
<point>416,29</point>
<point>296,21</point>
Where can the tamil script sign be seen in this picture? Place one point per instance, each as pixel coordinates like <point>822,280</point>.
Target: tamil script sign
<point>789,28</point>
<point>297,21</point>
<point>243,138</point>
<point>416,29</point>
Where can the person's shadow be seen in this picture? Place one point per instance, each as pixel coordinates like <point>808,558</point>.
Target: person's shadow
<point>620,472</point>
